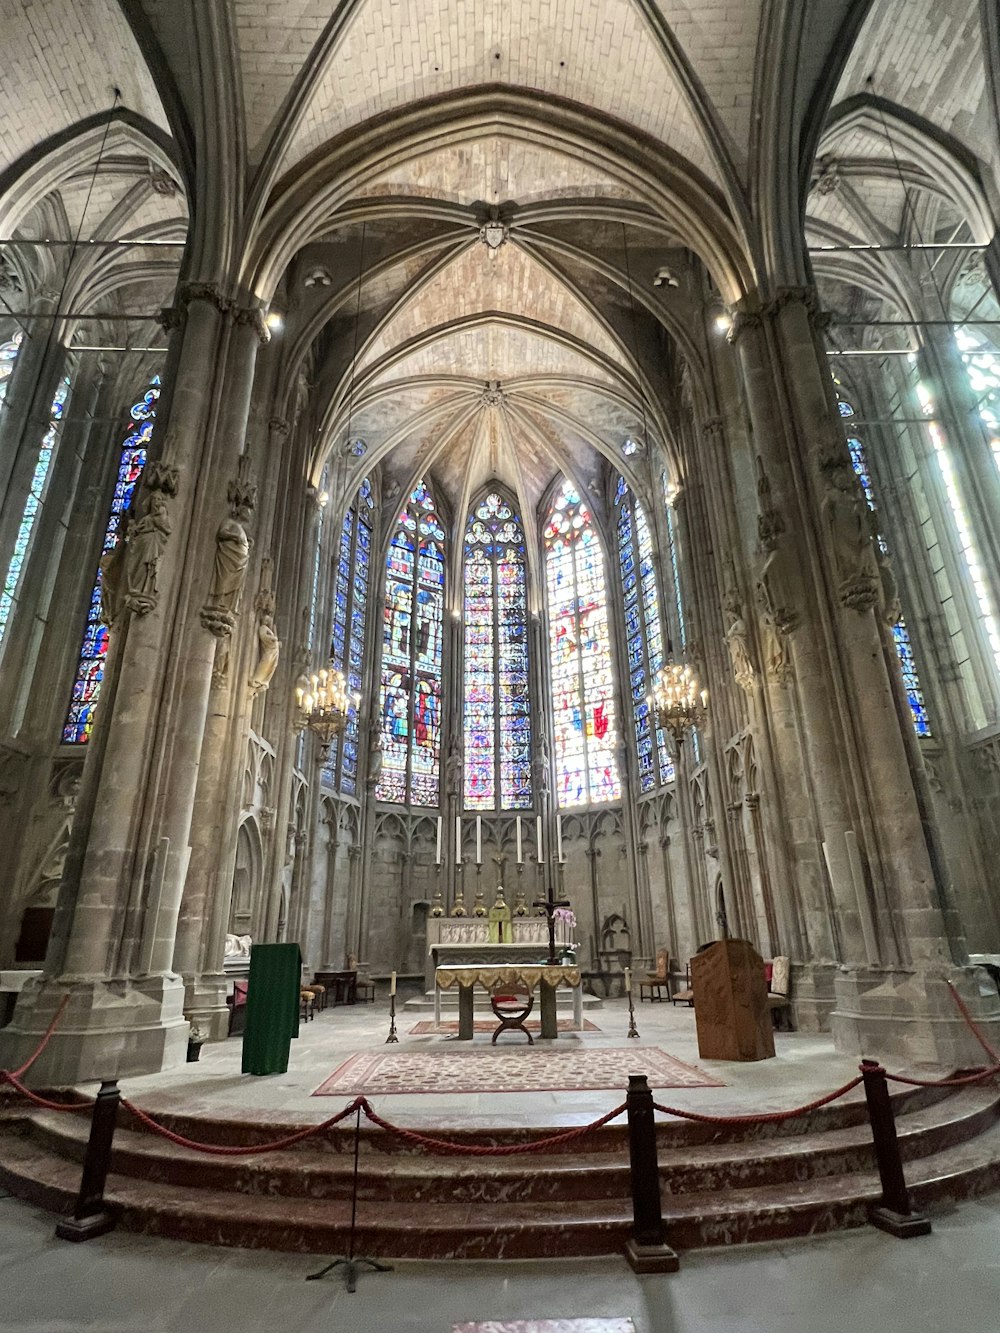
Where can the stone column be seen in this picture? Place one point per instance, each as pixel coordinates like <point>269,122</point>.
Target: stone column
<point>122,887</point>
<point>819,586</point>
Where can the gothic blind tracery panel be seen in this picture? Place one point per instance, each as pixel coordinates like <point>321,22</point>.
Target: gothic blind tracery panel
<point>583,687</point>
<point>497,721</point>
<point>410,697</point>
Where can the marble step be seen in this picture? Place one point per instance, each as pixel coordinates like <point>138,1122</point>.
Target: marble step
<point>486,1231</point>
<point>529,1177</point>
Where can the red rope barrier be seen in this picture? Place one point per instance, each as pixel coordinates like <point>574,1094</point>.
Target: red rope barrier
<point>220,1150</point>
<point>19,1073</point>
<point>7,1077</point>
<point>963,1010</point>
<point>764,1117</point>
<point>446,1147</point>
<point>962,1081</point>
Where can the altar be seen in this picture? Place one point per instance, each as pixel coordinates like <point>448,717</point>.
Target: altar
<point>453,940</point>
<point>541,976</point>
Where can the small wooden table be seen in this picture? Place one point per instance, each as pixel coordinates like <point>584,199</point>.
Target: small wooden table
<point>531,976</point>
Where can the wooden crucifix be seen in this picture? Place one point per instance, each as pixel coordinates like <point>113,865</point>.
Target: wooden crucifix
<point>550,906</point>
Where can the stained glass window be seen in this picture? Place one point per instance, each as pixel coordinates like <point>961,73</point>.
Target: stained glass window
<point>8,355</point>
<point>350,611</point>
<point>90,668</point>
<point>497,721</point>
<point>583,687</point>
<point>982,366</point>
<point>900,634</point>
<point>643,633</point>
<point>32,505</point>
<point>410,696</point>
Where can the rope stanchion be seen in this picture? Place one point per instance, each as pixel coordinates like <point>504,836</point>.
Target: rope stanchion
<point>959,1081</point>
<point>893,1214</point>
<point>91,1215</point>
<point>247,1150</point>
<point>763,1117</point>
<point>446,1147</point>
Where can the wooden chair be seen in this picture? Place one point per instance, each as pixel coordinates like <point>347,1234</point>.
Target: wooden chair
<point>686,994</point>
<point>658,981</point>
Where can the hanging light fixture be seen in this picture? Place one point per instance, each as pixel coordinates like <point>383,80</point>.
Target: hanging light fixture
<point>677,699</point>
<point>322,701</point>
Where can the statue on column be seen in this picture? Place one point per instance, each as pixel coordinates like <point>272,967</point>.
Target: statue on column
<point>849,529</point>
<point>232,556</point>
<point>888,603</point>
<point>147,539</point>
<point>269,649</point>
<point>268,643</point>
<point>540,765</point>
<point>112,567</point>
<point>375,750</point>
<point>737,632</point>
<point>775,581</point>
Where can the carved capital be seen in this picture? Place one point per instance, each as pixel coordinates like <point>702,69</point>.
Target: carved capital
<point>252,317</point>
<point>277,425</point>
<point>713,430</point>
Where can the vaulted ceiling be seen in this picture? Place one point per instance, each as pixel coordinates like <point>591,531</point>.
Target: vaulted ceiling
<point>340,160</point>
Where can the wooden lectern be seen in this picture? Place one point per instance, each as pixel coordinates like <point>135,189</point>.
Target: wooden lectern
<point>730,1003</point>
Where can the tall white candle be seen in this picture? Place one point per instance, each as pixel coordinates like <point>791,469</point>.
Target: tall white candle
<point>628,981</point>
<point>437,854</point>
<point>559,850</point>
<point>458,840</point>
<point>479,840</point>
<point>538,836</point>
<point>520,849</point>
<point>392,984</point>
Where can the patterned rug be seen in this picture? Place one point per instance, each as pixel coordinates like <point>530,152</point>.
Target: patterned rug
<point>508,1068</point>
<point>427,1027</point>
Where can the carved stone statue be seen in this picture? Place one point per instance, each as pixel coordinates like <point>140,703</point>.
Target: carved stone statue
<point>267,658</point>
<point>112,565</point>
<point>375,751</point>
<point>737,633</point>
<point>453,771</point>
<point>540,766</point>
<point>146,540</point>
<point>889,607</point>
<point>232,555</point>
<point>849,531</point>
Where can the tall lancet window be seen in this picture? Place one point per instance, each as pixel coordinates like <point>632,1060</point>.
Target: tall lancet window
<point>643,633</point>
<point>583,688</point>
<point>497,719</point>
<point>350,613</point>
<point>10,591</point>
<point>900,634</point>
<point>90,667</point>
<point>410,696</point>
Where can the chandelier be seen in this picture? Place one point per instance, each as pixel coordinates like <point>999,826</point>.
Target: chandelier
<point>322,700</point>
<point>679,702</point>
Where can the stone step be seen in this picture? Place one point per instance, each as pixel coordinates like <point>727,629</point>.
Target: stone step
<point>492,1230</point>
<point>581,1175</point>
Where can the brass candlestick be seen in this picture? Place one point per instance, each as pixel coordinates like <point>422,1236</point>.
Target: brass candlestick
<point>437,907</point>
<point>392,1038</point>
<point>633,1031</point>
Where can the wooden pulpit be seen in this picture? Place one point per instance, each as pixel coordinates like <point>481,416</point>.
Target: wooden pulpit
<point>730,1002</point>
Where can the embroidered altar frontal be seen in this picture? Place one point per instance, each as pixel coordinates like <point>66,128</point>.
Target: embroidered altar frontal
<point>510,1069</point>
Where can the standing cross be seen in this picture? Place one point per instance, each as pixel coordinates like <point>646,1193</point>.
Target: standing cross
<point>549,907</point>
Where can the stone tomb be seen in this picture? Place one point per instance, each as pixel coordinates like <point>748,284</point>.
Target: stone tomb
<point>730,1003</point>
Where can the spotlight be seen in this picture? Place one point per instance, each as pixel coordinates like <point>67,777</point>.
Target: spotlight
<point>274,321</point>
<point>723,323</point>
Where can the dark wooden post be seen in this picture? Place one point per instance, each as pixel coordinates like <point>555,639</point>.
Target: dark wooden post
<point>91,1215</point>
<point>893,1214</point>
<point>647,1251</point>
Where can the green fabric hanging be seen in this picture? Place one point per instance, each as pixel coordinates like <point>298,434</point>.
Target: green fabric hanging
<point>272,1007</point>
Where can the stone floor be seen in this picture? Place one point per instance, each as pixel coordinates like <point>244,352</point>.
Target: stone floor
<point>854,1282</point>
<point>805,1066</point>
